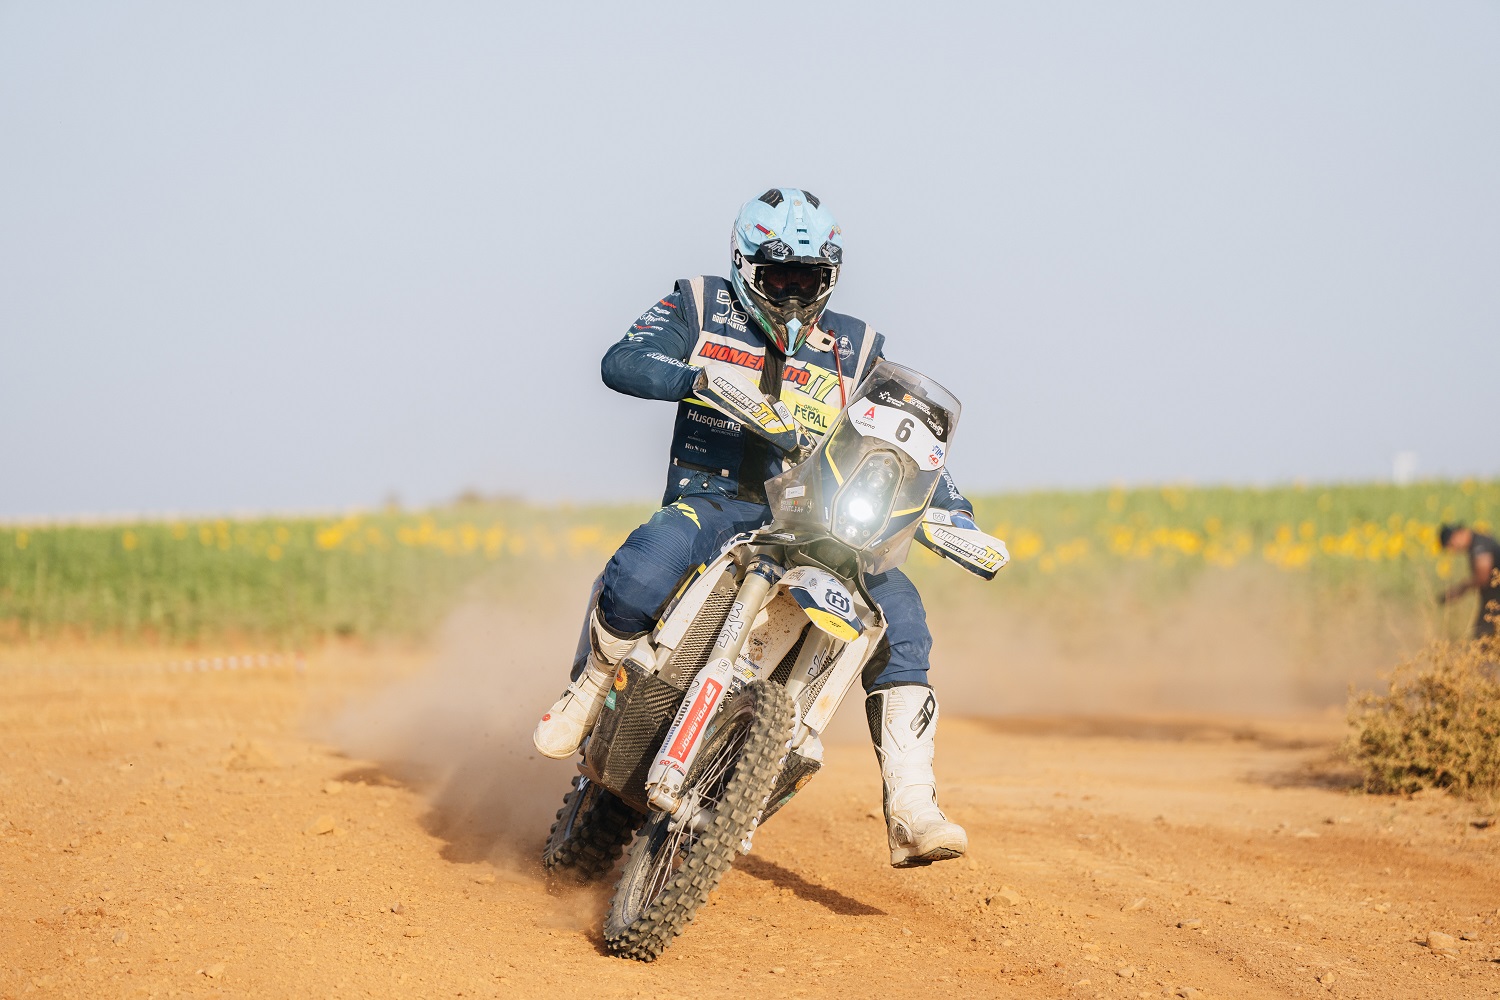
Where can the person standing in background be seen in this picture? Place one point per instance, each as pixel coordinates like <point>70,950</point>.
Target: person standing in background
<point>1484,573</point>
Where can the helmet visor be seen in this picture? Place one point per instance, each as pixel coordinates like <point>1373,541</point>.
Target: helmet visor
<point>783,284</point>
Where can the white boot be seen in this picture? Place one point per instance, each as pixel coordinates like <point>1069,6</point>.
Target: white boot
<point>903,722</point>
<point>569,720</point>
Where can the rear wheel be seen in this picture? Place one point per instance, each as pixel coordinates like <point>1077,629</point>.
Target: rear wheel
<point>673,866</point>
<point>593,826</point>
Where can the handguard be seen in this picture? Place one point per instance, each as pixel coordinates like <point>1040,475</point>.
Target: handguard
<point>980,554</point>
<point>724,388</point>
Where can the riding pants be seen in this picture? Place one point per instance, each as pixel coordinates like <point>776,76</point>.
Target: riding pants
<point>645,573</point>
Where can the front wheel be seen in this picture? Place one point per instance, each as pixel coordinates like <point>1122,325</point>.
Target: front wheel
<point>672,867</point>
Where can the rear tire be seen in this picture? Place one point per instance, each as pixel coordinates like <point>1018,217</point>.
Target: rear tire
<point>669,873</point>
<point>593,826</point>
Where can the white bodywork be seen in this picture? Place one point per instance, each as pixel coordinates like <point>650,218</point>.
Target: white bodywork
<point>764,623</point>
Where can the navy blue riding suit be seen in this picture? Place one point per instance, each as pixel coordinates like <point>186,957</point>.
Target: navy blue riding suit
<point>715,484</point>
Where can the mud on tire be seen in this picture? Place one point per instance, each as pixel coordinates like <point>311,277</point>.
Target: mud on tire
<point>592,828</point>
<point>668,874</point>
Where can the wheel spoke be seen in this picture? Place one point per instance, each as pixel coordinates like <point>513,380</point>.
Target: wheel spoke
<point>676,843</point>
<point>678,860</point>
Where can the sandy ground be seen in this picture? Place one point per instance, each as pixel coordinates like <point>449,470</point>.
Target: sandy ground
<point>364,825</point>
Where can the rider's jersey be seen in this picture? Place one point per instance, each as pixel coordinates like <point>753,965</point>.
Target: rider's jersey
<point>702,321</point>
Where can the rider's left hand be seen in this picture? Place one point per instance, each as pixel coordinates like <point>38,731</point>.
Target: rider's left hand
<point>963,519</point>
<point>805,444</point>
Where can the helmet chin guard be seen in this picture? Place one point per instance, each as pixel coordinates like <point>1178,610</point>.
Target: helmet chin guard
<point>786,250</point>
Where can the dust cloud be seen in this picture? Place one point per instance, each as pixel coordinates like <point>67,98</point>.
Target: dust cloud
<point>1235,643</point>
<point>461,729</point>
<point>1230,644</point>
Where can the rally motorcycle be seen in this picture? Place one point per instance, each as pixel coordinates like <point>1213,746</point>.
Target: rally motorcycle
<point>713,720</point>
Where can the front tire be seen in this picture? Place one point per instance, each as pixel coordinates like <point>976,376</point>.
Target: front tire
<point>669,873</point>
<point>592,828</point>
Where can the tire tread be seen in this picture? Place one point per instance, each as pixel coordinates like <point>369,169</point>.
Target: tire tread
<point>745,797</point>
<point>598,837</point>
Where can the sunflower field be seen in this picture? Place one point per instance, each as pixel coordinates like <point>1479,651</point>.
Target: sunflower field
<point>395,573</point>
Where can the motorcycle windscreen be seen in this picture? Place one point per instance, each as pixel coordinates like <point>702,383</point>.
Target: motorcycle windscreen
<point>870,479</point>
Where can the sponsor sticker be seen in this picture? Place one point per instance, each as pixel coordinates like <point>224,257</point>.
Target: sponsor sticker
<point>732,355</point>
<point>732,625</point>
<point>732,394</point>
<point>893,394</point>
<point>697,716</point>
<point>775,250</point>
<point>902,426</point>
<point>814,417</point>
<point>709,420</point>
<point>958,545</point>
<point>728,314</point>
<point>771,418</point>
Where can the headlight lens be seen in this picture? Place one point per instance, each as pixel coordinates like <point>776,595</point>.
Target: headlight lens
<point>860,509</point>
<point>864,503</point>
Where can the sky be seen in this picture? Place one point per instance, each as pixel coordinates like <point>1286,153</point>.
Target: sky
<point>291,256</point>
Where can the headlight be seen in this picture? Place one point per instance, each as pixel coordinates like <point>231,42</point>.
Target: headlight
<point>864,504</point>
<point>860,510</point>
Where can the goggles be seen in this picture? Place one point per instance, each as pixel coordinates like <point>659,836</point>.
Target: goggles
<point>782,284</point>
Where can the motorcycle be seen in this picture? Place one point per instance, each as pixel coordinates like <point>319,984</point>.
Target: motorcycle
<point>713,721</point>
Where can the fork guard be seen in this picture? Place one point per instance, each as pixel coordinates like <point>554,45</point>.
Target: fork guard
<point>797,772</point>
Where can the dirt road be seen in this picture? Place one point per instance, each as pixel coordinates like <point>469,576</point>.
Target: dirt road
<point>167,832</point>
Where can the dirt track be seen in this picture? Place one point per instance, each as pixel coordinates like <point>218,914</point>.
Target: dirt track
<point>159,836</point>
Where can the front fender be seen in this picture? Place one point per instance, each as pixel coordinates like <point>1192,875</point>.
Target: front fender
<point>825,600</point>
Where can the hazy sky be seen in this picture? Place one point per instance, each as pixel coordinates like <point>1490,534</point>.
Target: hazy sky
<point>290,256</point>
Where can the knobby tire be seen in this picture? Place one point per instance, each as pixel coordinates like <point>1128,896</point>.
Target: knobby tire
<point>592,828</point>
<point>643,920</point>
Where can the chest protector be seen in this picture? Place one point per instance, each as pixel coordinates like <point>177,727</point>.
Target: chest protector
<point>711,451</point>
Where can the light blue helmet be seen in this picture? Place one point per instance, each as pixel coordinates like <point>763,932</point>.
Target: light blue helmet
<point>787,250</point>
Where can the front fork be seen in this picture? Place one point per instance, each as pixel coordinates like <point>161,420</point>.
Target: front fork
<point>813,659</point>
<point>665,778</point>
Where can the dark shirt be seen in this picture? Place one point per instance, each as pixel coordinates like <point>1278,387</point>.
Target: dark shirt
<point>1489,591</point>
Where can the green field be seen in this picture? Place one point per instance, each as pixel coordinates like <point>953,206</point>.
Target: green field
<point>288,581</point>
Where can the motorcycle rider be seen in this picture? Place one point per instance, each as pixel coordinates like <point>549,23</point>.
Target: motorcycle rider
<point>769,318</point>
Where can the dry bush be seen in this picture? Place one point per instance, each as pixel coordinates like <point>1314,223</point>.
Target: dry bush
<point>1437,727</point>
